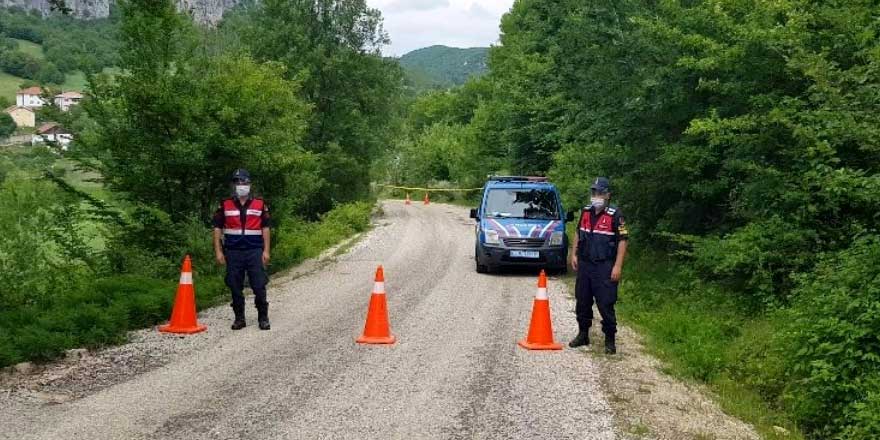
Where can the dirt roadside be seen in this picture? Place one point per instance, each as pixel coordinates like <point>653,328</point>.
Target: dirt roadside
<point>650,404</point>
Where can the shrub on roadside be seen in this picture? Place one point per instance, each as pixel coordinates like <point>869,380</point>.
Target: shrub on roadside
<point>833,341</point>
<point>756,259</point>
<point>299,240</point>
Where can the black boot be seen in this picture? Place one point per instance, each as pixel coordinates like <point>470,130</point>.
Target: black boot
<point>582,339</point>
<point>263,316</point>
<point>610,347</point>
<point>239,322</point>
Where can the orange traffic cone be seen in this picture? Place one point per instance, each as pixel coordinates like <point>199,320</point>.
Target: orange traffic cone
<point>540,335</point>
<point>408,201</point>
<point>427,200</point>
<point>376,330</point>
<point>183,316</point>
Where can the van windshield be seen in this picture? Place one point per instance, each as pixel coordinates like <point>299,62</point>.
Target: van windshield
<point>537,204</point>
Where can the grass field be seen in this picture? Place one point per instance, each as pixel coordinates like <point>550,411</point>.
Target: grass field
<point>75,81</point>
<point>9,84</point>
<point>31,48</point>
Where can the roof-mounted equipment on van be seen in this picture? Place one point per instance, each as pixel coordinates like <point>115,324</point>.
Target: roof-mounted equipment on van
<point>517,179</point>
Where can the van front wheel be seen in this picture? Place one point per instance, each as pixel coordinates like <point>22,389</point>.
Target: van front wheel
<point>482,268</point>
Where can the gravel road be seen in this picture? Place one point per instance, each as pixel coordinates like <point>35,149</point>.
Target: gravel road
<point>455,372</point>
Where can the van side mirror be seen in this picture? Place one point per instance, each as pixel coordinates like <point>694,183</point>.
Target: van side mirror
<point>569,217</point>
<point>474,214</point>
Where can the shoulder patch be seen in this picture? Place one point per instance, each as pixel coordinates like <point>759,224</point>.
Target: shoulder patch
<point>611,211</point>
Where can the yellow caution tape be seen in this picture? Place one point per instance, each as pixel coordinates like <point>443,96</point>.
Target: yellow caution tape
<point>430,189</point>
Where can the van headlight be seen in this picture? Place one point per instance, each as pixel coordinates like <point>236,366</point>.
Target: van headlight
<point>556,238</point>
<point>492,237</point>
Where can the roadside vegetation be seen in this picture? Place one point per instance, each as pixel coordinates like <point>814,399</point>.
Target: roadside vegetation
<point>741,138</point>
<point>78,272</point>
<point>95,235</point>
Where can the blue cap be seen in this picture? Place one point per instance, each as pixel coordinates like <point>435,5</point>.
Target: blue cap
<point>601,184</point>
<point>242,175</point>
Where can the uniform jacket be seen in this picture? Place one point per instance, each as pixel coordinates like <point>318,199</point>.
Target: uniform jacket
<point>242,225</point>
<point>599,235</point>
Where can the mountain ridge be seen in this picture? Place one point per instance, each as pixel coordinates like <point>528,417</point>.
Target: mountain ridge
<point>443,66</point>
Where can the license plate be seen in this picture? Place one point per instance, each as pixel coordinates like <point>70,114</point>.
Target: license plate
<point>525,254</point>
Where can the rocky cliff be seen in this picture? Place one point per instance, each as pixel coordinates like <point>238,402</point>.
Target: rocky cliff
<point>204,11</point>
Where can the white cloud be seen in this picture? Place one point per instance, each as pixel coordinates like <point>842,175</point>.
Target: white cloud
<point>416,5</point>
<point>413,24</point>
<point>480,12</point>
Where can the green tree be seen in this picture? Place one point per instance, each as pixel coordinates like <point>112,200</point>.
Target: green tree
<point>332,48</point>
<point>7,125</point>
<point>171,129</point>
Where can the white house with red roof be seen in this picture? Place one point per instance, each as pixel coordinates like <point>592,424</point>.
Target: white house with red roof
<point>68,99</point>
<point>53,132</point>
<point>30,97</point>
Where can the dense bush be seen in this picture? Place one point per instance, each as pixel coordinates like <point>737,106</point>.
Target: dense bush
<point>834,340</point>
<point>7,125</point>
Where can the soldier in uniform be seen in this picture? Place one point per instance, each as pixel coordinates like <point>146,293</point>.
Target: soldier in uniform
<point>241,242</point>
<point>597,253</point>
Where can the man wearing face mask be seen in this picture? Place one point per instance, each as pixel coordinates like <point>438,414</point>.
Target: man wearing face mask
<point>241,242</point>
<point>597,253</point>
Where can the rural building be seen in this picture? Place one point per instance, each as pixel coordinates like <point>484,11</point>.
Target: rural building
<point>29,97</point>
<point>67,99</point>
<point>52,132</point>
<point>23,116</point>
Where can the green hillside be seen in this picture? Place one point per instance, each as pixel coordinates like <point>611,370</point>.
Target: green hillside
<point>53,50</point>
<point>9,84</point>
<point>443,66</point>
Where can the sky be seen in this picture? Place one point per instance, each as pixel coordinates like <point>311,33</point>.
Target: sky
<point>413,24</point>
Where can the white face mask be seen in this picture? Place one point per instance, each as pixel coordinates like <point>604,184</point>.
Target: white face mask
<point>597,202</point>
<point>242,190</point>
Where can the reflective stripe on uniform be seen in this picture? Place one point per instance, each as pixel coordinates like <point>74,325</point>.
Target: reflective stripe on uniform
<point>231,213</point>
<point>245,232</point>
<point>256,212</point>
